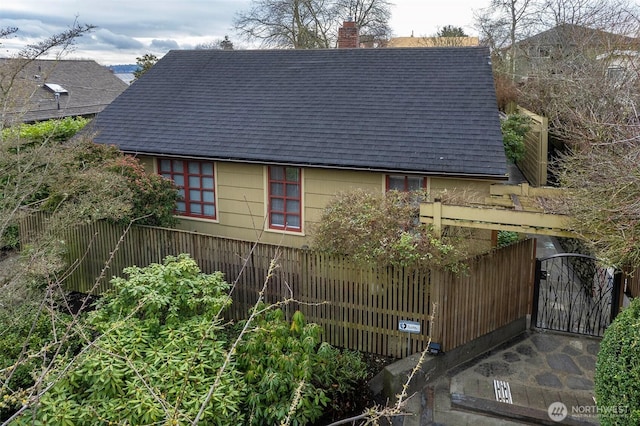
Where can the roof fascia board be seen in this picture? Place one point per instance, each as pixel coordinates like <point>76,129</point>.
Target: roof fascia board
<point>319,166</point>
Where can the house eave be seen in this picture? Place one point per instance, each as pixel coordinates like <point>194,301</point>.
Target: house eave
<point>475,176</point>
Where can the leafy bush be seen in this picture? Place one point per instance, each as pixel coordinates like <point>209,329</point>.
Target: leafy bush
<point>26,340</point>
<point>276,358</point>
<point>506,238</point>
<point>285,364</point>
<point>10,238</point>
<point>617,377</point>
<point>514,129</point>
<point>58,130</point>
<point>158,354</point>
<point>149,198</point>
<point>340,373</point>
<point>76,182</point>
<point>384,229</point>
<point>160,347</point>
<point>506,90</point>
<point>41,169</point>
<point>154,197</point>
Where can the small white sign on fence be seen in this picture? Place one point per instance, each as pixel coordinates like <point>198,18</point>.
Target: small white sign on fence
<point>409,326</point>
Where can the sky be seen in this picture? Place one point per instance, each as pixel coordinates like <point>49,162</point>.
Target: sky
<point>127,29</point>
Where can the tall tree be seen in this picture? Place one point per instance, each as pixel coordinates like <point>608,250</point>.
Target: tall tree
<point>447,36</point>
<point>300,24</point>
<point>590,71</point>
<point>220,44</point>
<point>309,24</point>
<point>602,14</point>
<point>586,81</point>
<point>505,23</point>
<point>144,63</point>
<point>591,101</point>
<point>587,85</point>
<point>371,16</point>
<point>501,25</point>
<point>226,44</point>
<point>451,31</point>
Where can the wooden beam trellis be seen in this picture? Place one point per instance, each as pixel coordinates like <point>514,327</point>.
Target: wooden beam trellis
<point>527,222</point>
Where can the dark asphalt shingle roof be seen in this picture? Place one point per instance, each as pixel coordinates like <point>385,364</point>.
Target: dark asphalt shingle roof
<point>427,110</point>
<point>90,86</point>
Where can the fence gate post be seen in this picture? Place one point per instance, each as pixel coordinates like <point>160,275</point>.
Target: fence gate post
<point>536,293</point>
<point>616,294</point>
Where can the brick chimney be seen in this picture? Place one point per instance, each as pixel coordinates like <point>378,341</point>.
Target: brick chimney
<point>348,37</point>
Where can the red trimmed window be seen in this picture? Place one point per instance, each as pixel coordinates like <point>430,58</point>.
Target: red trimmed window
<point>285,200</point>
<point>404,183</point>
<point>195,180</point>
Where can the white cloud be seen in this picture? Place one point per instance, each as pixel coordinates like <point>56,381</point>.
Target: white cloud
<point>164,45</point>
<point>106,38</point>
<point>127,29</point>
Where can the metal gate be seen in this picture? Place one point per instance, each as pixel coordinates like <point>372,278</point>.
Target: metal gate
<point>575,295</point>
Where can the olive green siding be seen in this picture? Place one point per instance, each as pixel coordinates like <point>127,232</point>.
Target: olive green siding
<point>322,184</point>
<point>481,238</point>
<point>241,195</point>
<point>148,163</point>
<point>240,190</point>
<point>481,186</point>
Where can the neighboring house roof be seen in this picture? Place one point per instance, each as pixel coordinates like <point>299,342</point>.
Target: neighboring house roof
<point>430,111</point>
<point>567,46</point>
<point>46,89</point>
<point>433,41</point>
<point>571,35</point>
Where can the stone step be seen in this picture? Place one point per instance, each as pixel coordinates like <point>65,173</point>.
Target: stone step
<point>518,412</point>
<point>531,405</point>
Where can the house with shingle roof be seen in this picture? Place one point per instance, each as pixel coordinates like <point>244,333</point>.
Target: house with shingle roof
<point>46,89</point>
<point>575,46</point>
<point>264,138</point>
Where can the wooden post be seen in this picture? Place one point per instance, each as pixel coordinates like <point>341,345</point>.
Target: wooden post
<point>437,217</point>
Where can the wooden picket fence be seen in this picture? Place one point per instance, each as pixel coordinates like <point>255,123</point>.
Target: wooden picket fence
<point>632,279</point>
<point>534,165</point>
<point>358,307</point>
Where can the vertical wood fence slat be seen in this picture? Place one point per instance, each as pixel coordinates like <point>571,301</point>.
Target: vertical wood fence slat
<point>358,308</point>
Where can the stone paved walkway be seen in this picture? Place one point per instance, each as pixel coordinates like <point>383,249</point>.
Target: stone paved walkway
<point>540,368</point>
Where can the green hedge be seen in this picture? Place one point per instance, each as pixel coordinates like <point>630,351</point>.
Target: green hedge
<point>617,379</point>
